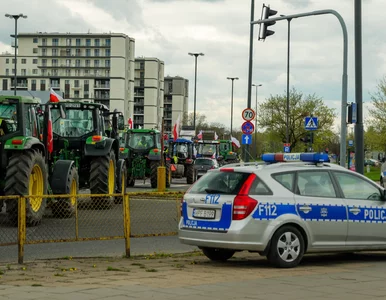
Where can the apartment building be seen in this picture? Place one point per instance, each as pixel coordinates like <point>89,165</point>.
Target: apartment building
<point>95,66</point>
<point>176,100</point>
<point>148,93</point>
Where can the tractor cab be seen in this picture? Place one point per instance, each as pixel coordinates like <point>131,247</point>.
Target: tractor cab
<point>181,150</point>
<point>142,140</point>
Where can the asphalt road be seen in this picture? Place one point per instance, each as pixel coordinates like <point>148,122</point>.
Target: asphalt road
<point>148,216</point>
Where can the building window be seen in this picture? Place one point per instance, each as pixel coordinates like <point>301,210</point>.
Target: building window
<point>88,42</point>
<point>76,94</point>
<point>107,52</point>
<point>86,82</point>
<point>35,40</point>
<point>44,62</point>
<point>23,72</point>
<point>76,83</point>
<point>44,72</point>
<point>55,72</point>
<point>7,61</point>
<point>35,61</point>
<point>107,42</point>
<point>96,63</point>
<point>77,72</point>
<point>87,63</point>
<point>54,62</point>
<point>54,52</point>
<point>77,52</point>
<point>34,71</point>
<point>86,72</point>
<point>44,52</point>
<point>35,50</point>
<point>68,42</point>
<point>86,94</point>
<point>68,52</point>
<point>96,52</point>
<point>107,73</point>
<point>6,71</point>
<point>88,52</point>
<point>23,61</point>
<point>97,43</point>
<point>142,65</point>
<point>77,42</point>
<point>68,62</point>
<point>67,81</point>
<point>43,81</point>
<point>44,42</point>
<point>68,72</point>
<point>55,42</point>
<point>77,63</point>
<point>33,81</point>
<point>107,63</point>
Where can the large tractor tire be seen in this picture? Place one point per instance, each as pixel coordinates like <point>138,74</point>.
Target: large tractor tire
<point>190,174</point>
<point>153,173</point>
<point>168,175</point>
<point>65,207</point>
<point>26,174</point>
<point>103,180</point>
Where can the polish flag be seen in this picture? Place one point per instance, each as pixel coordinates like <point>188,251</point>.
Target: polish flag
<point>54,97</point>
<point>50,135</point>
<point>215,136</point>
<point>131,123</point>
<point>200,135</point>
<point>176,129</point>
<point>235,142</point>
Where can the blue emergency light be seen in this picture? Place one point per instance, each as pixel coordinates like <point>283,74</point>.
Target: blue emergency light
<point>288,157</point>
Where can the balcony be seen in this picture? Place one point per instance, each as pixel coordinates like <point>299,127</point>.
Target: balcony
<point>102,86</point>
<point>139,94</point>
<point>102,96</point>
<point>20,85</point>
<point>139,103</point>
<point>56,45</point>
<point>139,112</point>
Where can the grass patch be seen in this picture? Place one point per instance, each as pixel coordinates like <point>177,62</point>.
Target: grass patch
<point>374,174</point>
<point>151,270</point>
<point>59,274</point>
<point>179,266</point>
<point>109,268</point>
<point>36,284</point>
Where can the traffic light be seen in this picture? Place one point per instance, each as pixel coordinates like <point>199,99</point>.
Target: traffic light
<point>265,14</point>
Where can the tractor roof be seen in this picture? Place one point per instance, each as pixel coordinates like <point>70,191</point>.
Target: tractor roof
<point>22,99</point>
<point>78,104</point>
<point>143,131</point>
<point>180,141</point>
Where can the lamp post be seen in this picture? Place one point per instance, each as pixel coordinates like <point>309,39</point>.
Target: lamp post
<point>256,86</point>
<point>15,17</point>
<point>232,78</point>
<point>195,83</point>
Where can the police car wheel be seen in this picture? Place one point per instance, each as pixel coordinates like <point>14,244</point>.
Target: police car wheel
<point>216,254</point>
<point>287,247</point>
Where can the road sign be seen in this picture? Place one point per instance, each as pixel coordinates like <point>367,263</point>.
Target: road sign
<point>354,113</point>
<point>350,143</point>
<point>247,127</point>
<point>311,123</point>
<point>248,114</point>
<point>246,139</point>
<point>287,148</point>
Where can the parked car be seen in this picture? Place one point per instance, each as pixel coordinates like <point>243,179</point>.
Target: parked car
<point>296,203</point>
<point>202,165</point>
<point>372,162</point>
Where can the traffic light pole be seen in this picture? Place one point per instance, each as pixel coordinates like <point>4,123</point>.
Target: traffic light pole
<point>343,130</point>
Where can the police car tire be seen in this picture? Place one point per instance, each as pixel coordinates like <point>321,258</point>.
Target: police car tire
<point>273,255</point>
<point>217,254</point>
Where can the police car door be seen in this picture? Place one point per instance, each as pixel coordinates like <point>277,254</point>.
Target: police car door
<point>319,205</point>
<point>366,210</point>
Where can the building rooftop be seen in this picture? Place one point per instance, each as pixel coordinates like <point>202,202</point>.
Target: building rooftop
<point>73,34</point>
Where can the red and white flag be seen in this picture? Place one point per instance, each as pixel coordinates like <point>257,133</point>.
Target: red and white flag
<point>215,136</point>
<point>235,142</point>
<point>131,123</point>
<point>176,129</point>
<point>54,97</point>
<point>50,135</point>
<point>199,135</point>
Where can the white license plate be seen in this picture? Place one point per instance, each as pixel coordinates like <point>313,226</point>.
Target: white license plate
<point>204,213</point>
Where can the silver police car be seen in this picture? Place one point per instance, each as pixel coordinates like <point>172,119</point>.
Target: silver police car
<point>295,203</point>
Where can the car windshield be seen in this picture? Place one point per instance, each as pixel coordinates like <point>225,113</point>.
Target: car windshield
<point>76,124</point>
<point>204,162</point>
<point>207,149</point>
<point>220,183</point>
<point>141,140</point>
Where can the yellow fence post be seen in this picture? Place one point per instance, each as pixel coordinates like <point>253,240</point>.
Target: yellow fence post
<point>76,218</point>
<point>21,226</point>
<point>179,207</point>
<point>161,179</point>
<point>126,223</point>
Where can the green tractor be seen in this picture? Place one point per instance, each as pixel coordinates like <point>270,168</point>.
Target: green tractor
<point>80,135</point>
<point>24,161</point>
<point>226,151</point>
<point>141,148</point>
<point>181,158</point>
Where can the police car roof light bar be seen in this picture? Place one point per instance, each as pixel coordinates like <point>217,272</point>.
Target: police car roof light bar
<point>294,157</point>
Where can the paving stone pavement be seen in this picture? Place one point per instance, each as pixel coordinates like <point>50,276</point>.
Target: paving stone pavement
<point>191,276</point>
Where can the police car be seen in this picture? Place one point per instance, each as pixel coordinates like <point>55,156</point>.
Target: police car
<point>292,204</point>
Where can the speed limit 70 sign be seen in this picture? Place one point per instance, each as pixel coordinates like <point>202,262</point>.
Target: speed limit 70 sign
<point>248,114</point>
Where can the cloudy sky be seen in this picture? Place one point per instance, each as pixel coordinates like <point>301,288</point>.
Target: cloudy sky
<point>169,29</point>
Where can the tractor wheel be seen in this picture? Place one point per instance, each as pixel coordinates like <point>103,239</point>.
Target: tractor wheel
<point>190,174</point>
<point>121,180</point>
<point>153,173</point>
<point>102,179</point>
<point>26,174</point>
<point>131,182</point>
<point>65,208</point>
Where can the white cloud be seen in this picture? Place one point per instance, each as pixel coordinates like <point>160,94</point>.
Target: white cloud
<point>220,29</point>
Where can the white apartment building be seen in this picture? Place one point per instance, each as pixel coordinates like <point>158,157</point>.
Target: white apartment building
<point>148,93</point>
<point>176,100</point>
<point>96,66</point>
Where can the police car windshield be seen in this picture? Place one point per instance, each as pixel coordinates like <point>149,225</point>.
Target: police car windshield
<point>228,183</point>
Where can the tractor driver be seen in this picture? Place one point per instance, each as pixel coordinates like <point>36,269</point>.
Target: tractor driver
<point>142,143</point>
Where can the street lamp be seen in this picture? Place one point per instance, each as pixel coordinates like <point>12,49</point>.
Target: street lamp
<point>256,86</point>
<point>15,17</point>
<point>232,78</point>
<point>195,83</point>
